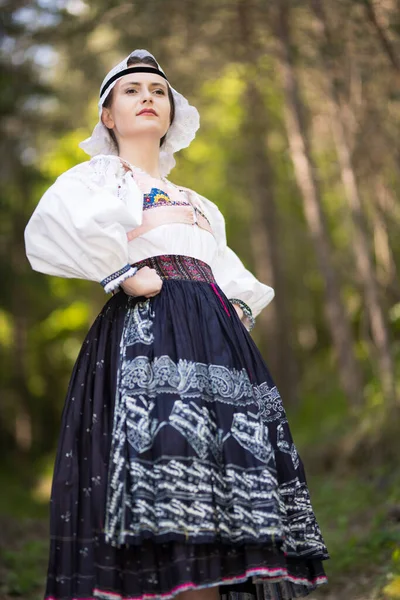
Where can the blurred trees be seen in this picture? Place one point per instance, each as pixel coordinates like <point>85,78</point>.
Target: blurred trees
<point>299,146</point>
<point>301,150</point>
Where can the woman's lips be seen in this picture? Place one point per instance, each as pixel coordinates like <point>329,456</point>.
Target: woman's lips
<point>147,112</point>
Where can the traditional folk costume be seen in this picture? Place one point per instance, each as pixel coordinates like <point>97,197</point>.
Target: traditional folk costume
<point>176,468</point>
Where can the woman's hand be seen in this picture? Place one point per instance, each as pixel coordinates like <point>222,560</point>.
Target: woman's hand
<point>146,282</point>
<point>238,310</point>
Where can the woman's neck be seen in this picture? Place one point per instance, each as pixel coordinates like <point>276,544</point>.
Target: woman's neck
<point>145,156</point>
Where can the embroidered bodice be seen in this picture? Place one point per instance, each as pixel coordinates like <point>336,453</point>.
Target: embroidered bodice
<point>157,197</point>
<point>165,203</point>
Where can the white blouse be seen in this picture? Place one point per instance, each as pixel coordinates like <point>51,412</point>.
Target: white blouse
<point>79,229</point>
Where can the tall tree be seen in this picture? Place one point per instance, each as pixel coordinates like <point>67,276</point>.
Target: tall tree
<point>385,258</point>
<point>265,234</point>
<point>385,42</point>
<point>362,251</point>
<point>305,171</point>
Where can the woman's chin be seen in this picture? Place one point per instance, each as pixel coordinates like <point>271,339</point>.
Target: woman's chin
<point>149,128</point>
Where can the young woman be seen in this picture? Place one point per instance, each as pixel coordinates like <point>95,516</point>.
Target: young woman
<point>176,473</point>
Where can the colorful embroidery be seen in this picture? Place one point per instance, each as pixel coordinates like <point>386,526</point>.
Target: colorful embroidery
<point>176,266</point>
<point>157,197</point>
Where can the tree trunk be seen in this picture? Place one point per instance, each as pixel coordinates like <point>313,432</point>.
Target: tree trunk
<point>265,221</point>
<point>365,266</point>
<point>265,227</point>
<point>337,318</point>
<point>23,418</point>
<point>383,38</point>
<point>387,270</point>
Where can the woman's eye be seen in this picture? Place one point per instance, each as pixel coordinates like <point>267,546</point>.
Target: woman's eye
<point>160,91</point>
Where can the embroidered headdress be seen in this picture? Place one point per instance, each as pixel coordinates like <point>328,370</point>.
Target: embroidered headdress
<point>179,135</point>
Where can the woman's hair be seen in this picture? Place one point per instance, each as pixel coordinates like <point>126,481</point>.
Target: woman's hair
<point>147,60</point>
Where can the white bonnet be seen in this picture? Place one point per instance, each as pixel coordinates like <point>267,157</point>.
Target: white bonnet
<point>182,131</point>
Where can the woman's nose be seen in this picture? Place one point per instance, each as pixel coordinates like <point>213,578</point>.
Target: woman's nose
<point>146,95</point>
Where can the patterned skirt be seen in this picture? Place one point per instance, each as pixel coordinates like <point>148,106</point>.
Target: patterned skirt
<point>176,468</point>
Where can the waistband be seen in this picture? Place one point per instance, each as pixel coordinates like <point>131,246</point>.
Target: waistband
<point>177,266</point>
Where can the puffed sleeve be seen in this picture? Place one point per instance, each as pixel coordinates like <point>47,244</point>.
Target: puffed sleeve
<point>238,283</point>
<point>79,227</point>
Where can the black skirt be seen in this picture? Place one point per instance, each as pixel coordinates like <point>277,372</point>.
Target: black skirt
<point>176,468</point>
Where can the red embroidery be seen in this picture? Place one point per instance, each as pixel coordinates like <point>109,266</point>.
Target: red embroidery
<point>176,266</point>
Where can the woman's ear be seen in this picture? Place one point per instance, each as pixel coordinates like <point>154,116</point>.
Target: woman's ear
<point>106,118</point>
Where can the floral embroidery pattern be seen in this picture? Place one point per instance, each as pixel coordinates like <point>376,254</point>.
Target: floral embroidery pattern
<point>171,266</point>
<point>269,402</point>
<point>188,379</point>
<point>157,197</point>
<point>139,324</point>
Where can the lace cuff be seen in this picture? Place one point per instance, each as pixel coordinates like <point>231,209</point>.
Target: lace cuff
<point>248,320</point>
<point>112,281</point>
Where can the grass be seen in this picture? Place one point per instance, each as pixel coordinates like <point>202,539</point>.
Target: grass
<point>23,538</point>
<point>356,499</point>
<point>361,527</point>
<point>24,570</point>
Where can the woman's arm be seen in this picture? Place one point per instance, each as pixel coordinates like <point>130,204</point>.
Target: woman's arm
<point>79,226</point>
<point>241,287</point>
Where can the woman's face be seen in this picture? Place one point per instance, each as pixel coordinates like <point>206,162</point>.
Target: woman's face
<point>133,94</point>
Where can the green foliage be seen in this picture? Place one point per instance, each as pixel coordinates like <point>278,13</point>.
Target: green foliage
<point>24,570</point>
<point>354,512</point>
<point>64,154</point>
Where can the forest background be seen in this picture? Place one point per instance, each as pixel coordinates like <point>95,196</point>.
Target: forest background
<point>299,145</point>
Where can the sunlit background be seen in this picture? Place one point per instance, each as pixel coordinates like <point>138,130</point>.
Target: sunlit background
<point>299,145</point>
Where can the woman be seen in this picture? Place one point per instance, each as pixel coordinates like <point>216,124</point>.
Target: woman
<point>176,473</point>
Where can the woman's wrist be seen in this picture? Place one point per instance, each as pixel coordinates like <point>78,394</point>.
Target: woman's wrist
<point>247,318</point>
<point>238,309</point>
<point>129,286</point>
<point>114,280</point>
